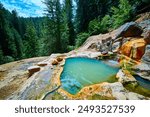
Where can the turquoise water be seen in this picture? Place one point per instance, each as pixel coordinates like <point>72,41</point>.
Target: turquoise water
<point>142,82</point>
<point>80,72</point>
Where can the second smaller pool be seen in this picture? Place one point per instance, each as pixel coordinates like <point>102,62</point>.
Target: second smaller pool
<point>80,72</point>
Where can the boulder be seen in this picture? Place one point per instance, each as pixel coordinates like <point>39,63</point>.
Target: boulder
<point>147,36</point>
<point>124,77</point>
<point>59,59</point>
<point>130,29</point>
<point>142,70</point>
<point>134,49</point>
<point>42,64</point>
<point>120,93</point>
<point>2,69</point>
<point>135,96</point>
<point>115,46</point>
<point>146,56</point>
<point>145,25</point>
<point>93,46</point>
<point>33,69</point>
<point>55,62</point>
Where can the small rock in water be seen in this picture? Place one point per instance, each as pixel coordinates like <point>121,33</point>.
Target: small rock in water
<point>33,69</point>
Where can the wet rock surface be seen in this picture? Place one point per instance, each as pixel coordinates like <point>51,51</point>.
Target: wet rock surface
<point>33,69</point>
<point>125,77</point>
<point>146,57</point>
<point>142,70</point>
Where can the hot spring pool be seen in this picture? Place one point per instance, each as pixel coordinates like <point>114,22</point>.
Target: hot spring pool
<point>80,72</point>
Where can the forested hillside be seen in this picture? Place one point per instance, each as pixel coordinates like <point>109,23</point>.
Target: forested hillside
<point>19,37</point>
<point>65,26</point>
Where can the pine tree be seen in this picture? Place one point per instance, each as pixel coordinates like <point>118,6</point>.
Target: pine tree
<point>31,41</point>
<point>19,44</point>
<point>16,22</point>
<point>1,56</point>
<point>69,15</point>
<point>54,21</point>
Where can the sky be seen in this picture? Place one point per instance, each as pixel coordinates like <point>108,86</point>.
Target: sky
<point>25,8</point>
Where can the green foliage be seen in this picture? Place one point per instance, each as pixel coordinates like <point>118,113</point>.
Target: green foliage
<point>105,23</point>
<point>7,59</point>
<point>19,44</point>
<point>1,56</point>
<point>70,48</point>
<point>94,27</point>
<point>121,14</point>
<point>31,42</point>
<point>81,38</point>
<point>69,21</point>
<point>65,32</point>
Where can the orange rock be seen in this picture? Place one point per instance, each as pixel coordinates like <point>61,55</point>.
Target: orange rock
<point>41,64</point>
<point>134,49</point>
<point>33,69</point>
<point>54,62</point>
<point>59,59</point>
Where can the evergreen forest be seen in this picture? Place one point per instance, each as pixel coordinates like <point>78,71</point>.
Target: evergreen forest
<point>65,26</point>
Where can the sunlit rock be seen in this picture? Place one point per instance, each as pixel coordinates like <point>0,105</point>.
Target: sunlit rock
<point>134,49</point>
<point>33,69</point>
<point>59,59</point>
<point>42,64</point>
<point>146,56</point>
<point>54,62</point>
<point>125,77</point>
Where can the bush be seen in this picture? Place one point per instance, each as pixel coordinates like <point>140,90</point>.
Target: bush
<point>70,48</point>
<point>121,14</point>
<point>94,27</point>
<point>105,24</point>
<point>1,56</point>
<point>81,38</point>
<point>8,59</point>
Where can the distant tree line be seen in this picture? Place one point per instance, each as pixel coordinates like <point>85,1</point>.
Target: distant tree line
<point>20,37</point>
<point>65,27</point>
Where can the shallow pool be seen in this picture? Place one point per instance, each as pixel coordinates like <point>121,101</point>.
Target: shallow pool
<point>80,72</point>
<point>143,82</point>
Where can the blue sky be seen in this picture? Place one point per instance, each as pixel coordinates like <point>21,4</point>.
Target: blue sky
<point>25,8</point>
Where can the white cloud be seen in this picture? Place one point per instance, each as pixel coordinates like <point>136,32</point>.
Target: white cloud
<point>39,12</point>
<point>25,8</point>
<point>36,2</point>
<point>23,14</point>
